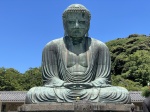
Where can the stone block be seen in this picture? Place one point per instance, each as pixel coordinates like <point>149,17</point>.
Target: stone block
<point>76,107</point>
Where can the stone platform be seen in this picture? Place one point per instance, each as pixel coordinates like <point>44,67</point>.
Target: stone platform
<point>77,107</point>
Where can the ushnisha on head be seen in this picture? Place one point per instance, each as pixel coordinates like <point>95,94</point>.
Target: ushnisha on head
<point>76,21</point>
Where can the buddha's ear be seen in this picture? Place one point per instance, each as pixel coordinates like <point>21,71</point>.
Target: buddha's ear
<point>64,25</point>
<point>65,33</point>
<point>87,34</point>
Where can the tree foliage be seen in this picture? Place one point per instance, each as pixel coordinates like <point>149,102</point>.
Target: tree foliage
<point>131,60</point>
<point>146,91</point>
<point>9,79</point>
<point>129,84</point>
<point>32,77</point>
<point>12,80</point>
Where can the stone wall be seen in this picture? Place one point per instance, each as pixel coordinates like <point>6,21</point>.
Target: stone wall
<point>11,106</point>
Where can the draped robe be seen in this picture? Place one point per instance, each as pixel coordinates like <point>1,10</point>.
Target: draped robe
<point>55,74</point>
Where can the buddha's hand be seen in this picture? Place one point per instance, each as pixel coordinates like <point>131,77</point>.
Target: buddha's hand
<point>78,86</point>
<point>102,85</point>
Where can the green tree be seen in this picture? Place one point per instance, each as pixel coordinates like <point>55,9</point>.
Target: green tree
<point>131,59</point>
<point>128,84</point>
<point>146,91</point>
<point>9,79</point>
<point>32,78</point>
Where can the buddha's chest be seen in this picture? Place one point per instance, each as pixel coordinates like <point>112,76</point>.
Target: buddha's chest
<point>72,59</point>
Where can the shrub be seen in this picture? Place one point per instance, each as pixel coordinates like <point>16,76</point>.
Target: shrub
<point>146,91</point>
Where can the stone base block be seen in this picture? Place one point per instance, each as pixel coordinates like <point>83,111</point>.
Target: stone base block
<point>77,107</point>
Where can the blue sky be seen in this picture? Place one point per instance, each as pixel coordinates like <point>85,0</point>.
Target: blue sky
<point>27,25</point>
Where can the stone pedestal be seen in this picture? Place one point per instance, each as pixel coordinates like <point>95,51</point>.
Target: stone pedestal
<point>80,106</point>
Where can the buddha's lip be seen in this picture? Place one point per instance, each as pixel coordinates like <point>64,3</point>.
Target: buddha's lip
<point>77,28</point>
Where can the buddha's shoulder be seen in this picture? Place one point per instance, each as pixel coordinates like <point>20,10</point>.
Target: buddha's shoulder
<point>54,42</point>
<point>98,43</point>
<point>52,45</point>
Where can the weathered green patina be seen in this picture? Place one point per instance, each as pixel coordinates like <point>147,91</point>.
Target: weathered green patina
<point>76,66</point>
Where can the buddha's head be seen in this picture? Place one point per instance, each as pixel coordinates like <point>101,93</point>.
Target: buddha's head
<point>76,21</point>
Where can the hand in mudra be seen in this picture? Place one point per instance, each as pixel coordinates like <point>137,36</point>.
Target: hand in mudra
<point>78,86</point>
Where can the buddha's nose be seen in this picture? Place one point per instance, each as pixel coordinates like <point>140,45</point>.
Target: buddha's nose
<point>77,24</point>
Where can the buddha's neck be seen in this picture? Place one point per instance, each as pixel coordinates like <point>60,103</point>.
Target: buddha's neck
<point>77,40</point>
<point>76,46</point>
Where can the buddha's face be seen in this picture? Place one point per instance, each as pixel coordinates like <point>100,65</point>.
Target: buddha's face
<point>77,24</point>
